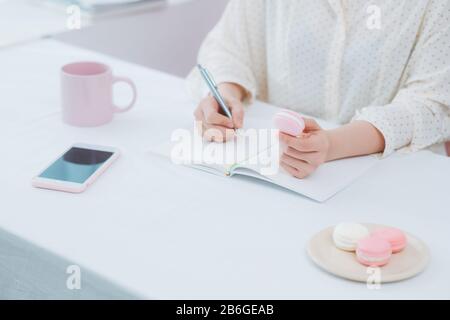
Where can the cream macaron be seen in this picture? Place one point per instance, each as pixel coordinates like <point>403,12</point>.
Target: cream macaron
<point>347,234</point>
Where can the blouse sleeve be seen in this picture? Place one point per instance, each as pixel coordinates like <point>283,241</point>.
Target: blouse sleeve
<point>234,51</point>
<point>419,115</point>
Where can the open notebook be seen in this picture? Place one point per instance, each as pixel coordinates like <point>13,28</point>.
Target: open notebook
<point>255,154</point>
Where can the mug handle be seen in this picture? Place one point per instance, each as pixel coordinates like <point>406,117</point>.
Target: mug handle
<point>133,88</point>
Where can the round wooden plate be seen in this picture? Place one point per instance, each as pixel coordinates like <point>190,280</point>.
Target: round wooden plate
<point>406,264</point>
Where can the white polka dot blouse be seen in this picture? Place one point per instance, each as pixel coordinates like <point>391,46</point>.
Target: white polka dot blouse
<point>383,61</point>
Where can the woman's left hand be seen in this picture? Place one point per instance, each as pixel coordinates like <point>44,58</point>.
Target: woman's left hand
<point>306,153</point>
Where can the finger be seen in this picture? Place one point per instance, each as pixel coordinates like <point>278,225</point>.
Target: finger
<point>293,171</point>
<point>217,134</point>
<point>313,158</point>
<point>311,125</point>
<point>214,134</point>
<point>305,143</point>
<point>304,169</point>
<point>198,113</point>
<point>212,116</point>
<point>199,123</point>
<point>237,110</point>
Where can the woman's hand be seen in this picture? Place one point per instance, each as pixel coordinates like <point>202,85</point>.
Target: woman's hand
<point>317,146</point>
<point>306,153</point>
<point>216,126</point>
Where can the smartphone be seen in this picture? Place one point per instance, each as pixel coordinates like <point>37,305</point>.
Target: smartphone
<point>77,168</point>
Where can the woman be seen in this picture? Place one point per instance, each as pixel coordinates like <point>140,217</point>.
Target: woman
<point>381,68</point>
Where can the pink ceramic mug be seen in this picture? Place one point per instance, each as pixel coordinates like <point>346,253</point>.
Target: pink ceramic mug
<point>87,94</point>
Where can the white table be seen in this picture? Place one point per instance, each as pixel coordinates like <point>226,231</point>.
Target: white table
<point>154,230</point>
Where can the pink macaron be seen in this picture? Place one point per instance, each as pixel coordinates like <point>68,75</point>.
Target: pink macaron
<point>373,251</point>
<point>394,236</point>
<point>289,122</point>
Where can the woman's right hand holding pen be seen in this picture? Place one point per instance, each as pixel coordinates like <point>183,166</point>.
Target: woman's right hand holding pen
<point>215,125</point>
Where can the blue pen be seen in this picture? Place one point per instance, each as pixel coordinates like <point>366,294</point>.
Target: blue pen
<point>214,91</point>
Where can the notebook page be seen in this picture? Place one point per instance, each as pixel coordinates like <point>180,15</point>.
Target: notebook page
<point>226,157</point>
<point>325,182</point>
<point>235,157</point>
<point>249,142</point>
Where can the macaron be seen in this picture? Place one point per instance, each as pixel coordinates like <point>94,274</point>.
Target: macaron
<point>346,235</point>
<point>289,122</point>
<point>373,251</point>
<point>394,236</point>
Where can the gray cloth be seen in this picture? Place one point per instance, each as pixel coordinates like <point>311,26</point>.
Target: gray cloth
<point>29,272</point>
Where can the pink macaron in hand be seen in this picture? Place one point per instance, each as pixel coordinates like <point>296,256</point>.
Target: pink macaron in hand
<point>289,122</point>
<point>373,251</point>
<point>394,236</point>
